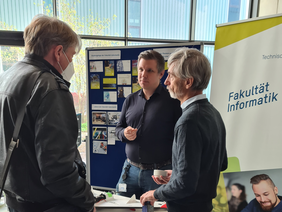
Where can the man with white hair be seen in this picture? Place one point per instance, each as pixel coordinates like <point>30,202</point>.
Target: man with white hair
<point>199,152</point>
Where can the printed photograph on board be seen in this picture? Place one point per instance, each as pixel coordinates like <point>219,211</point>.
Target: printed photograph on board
<point>112,136</point>
<point>120,92</point>
<point>113,118</point>
<point>100,147</point>
<point>123,65</point>
<point>124,79</point>
<point>110,96</point>
<point>99,117</point>
<point>96,66</point>
<point>99,133</point>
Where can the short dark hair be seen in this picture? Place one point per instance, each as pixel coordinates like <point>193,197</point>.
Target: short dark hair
<point>153,55</point>
<point>256,179</point>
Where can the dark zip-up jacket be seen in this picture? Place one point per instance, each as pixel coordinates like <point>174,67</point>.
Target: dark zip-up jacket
<point>42,168</point>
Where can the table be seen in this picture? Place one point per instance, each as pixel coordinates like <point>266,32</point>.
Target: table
<point>119,204</point>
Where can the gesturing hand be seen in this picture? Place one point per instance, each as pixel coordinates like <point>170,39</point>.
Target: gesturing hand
<point>130,133</point>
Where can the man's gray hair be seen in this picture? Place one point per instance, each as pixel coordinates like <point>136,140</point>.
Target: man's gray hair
<point>44,32</point>
<point>191,63</point>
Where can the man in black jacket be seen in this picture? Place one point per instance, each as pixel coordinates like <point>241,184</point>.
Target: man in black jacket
<point>199,152</point>
<point>43,173</point>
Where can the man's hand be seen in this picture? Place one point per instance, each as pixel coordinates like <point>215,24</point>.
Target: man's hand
<point>148,196</point>
<point>161,179</point>
<point>130,133</point>
<point>94,210</point>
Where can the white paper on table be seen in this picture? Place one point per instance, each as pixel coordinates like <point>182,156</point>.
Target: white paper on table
<point>132,199</point>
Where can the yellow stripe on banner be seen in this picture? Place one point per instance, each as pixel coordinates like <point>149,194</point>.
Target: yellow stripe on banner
<point>229,34</point>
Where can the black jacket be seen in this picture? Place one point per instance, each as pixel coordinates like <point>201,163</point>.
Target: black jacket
<point>42,167</point>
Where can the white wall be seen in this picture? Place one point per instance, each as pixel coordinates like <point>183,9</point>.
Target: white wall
<point>269,7</point>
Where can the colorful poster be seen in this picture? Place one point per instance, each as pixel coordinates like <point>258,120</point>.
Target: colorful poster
<point>134,68</point>
<point>109,83</point>
<point>135,85</point>
<point>95,81</point>
<point>109,68</point>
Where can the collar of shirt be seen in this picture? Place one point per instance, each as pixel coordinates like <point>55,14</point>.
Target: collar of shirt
<point>158,90</point>
<point>52,68</point>
<point>193,99</point>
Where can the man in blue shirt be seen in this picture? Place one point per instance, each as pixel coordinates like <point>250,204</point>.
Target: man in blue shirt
<point>146,125</point>
<point>266,193</point>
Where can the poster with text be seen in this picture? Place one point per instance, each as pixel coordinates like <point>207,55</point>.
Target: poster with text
<point>246,86</point>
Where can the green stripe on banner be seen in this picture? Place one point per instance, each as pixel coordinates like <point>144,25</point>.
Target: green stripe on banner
<point>240,31</point>
<point>233,165</point>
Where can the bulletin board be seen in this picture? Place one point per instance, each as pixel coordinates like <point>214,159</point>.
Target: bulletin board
<point>111,77</point>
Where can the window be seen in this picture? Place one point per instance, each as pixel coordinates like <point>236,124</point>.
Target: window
<point>209,53</point>
<point>209,13</point>
<point>134,18</point>
<point>9,56</point>
<point>15,15</point>
<point>88,17</point>
<point>162,19</point>
<point>148,21</point>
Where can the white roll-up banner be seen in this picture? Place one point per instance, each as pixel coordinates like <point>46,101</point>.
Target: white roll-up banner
<point>246,89</point>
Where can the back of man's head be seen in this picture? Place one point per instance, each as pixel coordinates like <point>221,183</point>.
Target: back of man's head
<point>44,32</point>
<point>191,63</point>
<point>153,55</point>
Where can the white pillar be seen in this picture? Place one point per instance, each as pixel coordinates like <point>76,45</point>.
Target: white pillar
<point>1,65</point>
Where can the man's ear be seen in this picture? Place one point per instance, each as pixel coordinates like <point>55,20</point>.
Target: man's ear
<point>162,74</point>
<point>275,190</point>
<point>189,82</point>
<point>58,51</point>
